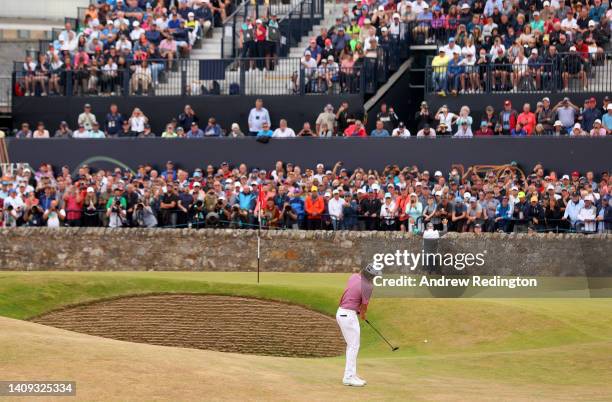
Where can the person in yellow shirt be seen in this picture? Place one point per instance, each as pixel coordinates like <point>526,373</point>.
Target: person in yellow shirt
<point>439,65</point>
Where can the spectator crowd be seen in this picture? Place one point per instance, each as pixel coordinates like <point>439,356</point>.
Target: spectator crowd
<point>118,40</point>
<point>291,197</point>
<point>560,119</point>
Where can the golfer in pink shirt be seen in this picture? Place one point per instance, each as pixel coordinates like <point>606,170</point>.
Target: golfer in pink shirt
<point>354,302</point>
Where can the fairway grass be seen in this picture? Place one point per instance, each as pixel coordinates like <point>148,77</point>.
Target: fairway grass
<point>476,349</point>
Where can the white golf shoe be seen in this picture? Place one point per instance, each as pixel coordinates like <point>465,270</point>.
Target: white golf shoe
<point>361,379</point>
<point>353,382</point>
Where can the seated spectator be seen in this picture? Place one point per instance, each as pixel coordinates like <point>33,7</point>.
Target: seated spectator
<point>212,129</point>
<point>40,131</point>
<point>141,78</point>
<point>195,131</point>
<point>598,129</point>
<point>426,131</point>
<point>283,131</point>
<point>306,131</point>
<point>518,131</point>
<point>355,130</point>
<point>63,131</point>
<point>235,131</point>
<point>401,131</point>
<point>265,130</point>
<point>379,131</point>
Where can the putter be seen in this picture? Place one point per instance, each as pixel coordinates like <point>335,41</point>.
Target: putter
<point>393,348</point>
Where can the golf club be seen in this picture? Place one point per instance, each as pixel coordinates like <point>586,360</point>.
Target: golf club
<point>393,348</point>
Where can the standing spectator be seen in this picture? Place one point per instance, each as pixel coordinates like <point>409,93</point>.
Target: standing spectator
<point>423,116</point>
<point>566,113</point>
<point>590,113</point>
<point>114,120</point>
<point>187,117</point>
<point>388,117</point>
<point>607,119</point>
<point>257,117</point>
<point>314,207</point>
<point>328,117</point>
<point>508,118</point>
<point>546,116</point>
<point>87,118</point>
<point>137,121</point>
<point>335,207</point>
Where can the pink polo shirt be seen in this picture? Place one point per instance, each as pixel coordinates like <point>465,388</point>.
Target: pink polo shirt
<point>358,291</point>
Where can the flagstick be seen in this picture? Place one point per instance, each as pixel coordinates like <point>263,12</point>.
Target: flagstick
<point>258,237</point>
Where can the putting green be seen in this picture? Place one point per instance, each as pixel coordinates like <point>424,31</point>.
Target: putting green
<point>476,349</point>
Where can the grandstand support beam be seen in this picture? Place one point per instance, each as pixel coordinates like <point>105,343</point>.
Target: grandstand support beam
<point>383,89</point>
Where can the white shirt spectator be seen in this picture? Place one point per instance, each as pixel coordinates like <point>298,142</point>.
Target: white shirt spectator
<point>449,50</point>
<point>283,133</point>
<point>587,215</point>
<point>418,6</point>
<point>257,118</point>
<point>401,132</point>
<point>54,218</point>
<point>335,207</point>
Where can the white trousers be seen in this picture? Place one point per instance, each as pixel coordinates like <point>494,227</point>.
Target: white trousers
<point>349,325</point>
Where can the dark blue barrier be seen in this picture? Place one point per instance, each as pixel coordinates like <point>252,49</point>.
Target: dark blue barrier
<point>562,154</point>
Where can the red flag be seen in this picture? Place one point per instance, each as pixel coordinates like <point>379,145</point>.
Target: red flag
<point>261,197</point>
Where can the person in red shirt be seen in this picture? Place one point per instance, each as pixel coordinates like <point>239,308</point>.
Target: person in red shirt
<point>260,42</point>
<point>74,205</point>
<point>355,130</point>
<point>314,206</point>
<point>527,119</point>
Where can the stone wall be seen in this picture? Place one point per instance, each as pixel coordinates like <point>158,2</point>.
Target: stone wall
<point>99,249</point>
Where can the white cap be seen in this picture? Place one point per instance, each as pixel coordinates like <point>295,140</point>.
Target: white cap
<point>592,23</point>
<point>387,195</point>
<point>381,8</point>
<point>258,21</point>
<point>425,5</point>
<point>135,23</point>
<point>327,194</point>
<point>550,187</point>
<point>361,191</point>
<point>565,177</point>
<point>573,48</point>
<point>597,121</point>
<point>609,107</point>
<point>558,123</point>
<point>375,186</point>
<point>467,195</point>
<point>396,15</point>
<point>384,29</point>
<point>577,125</point>
<point>589,198</point>
<point>367,21</point>
<point>534,51</point>
<point>191,14</point>
<point>197,184</point>
<point>335,192</point>
<point>90,190</point>
<point>235,126</point>
<point>437,173</point>
<point>546,3</point>
<point>465,6</point>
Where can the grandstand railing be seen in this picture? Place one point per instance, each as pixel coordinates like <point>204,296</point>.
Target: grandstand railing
<point>539,78</point>
<point>5,93</point>
<point>296,19</point>
<point>187,77</point>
